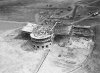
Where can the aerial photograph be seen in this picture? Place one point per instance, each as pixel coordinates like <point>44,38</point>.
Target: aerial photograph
<point>49,36</point>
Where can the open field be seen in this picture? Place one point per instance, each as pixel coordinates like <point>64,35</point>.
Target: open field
<point>25,10</point>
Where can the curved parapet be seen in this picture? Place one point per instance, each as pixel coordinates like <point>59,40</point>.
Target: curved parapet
<point>41,33</point>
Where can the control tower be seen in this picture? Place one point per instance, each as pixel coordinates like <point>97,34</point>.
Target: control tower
<point>41,37</point>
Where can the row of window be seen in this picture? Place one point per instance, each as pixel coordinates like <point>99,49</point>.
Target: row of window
<point>43,46</point>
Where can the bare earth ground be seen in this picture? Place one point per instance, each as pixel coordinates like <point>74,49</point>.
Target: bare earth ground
<point>13,59</point>
<point>23,10</point>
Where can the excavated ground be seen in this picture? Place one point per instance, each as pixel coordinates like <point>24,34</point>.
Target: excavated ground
<point>18,56</point>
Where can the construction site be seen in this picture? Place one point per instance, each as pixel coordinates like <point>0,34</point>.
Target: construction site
<point>61,38</point>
